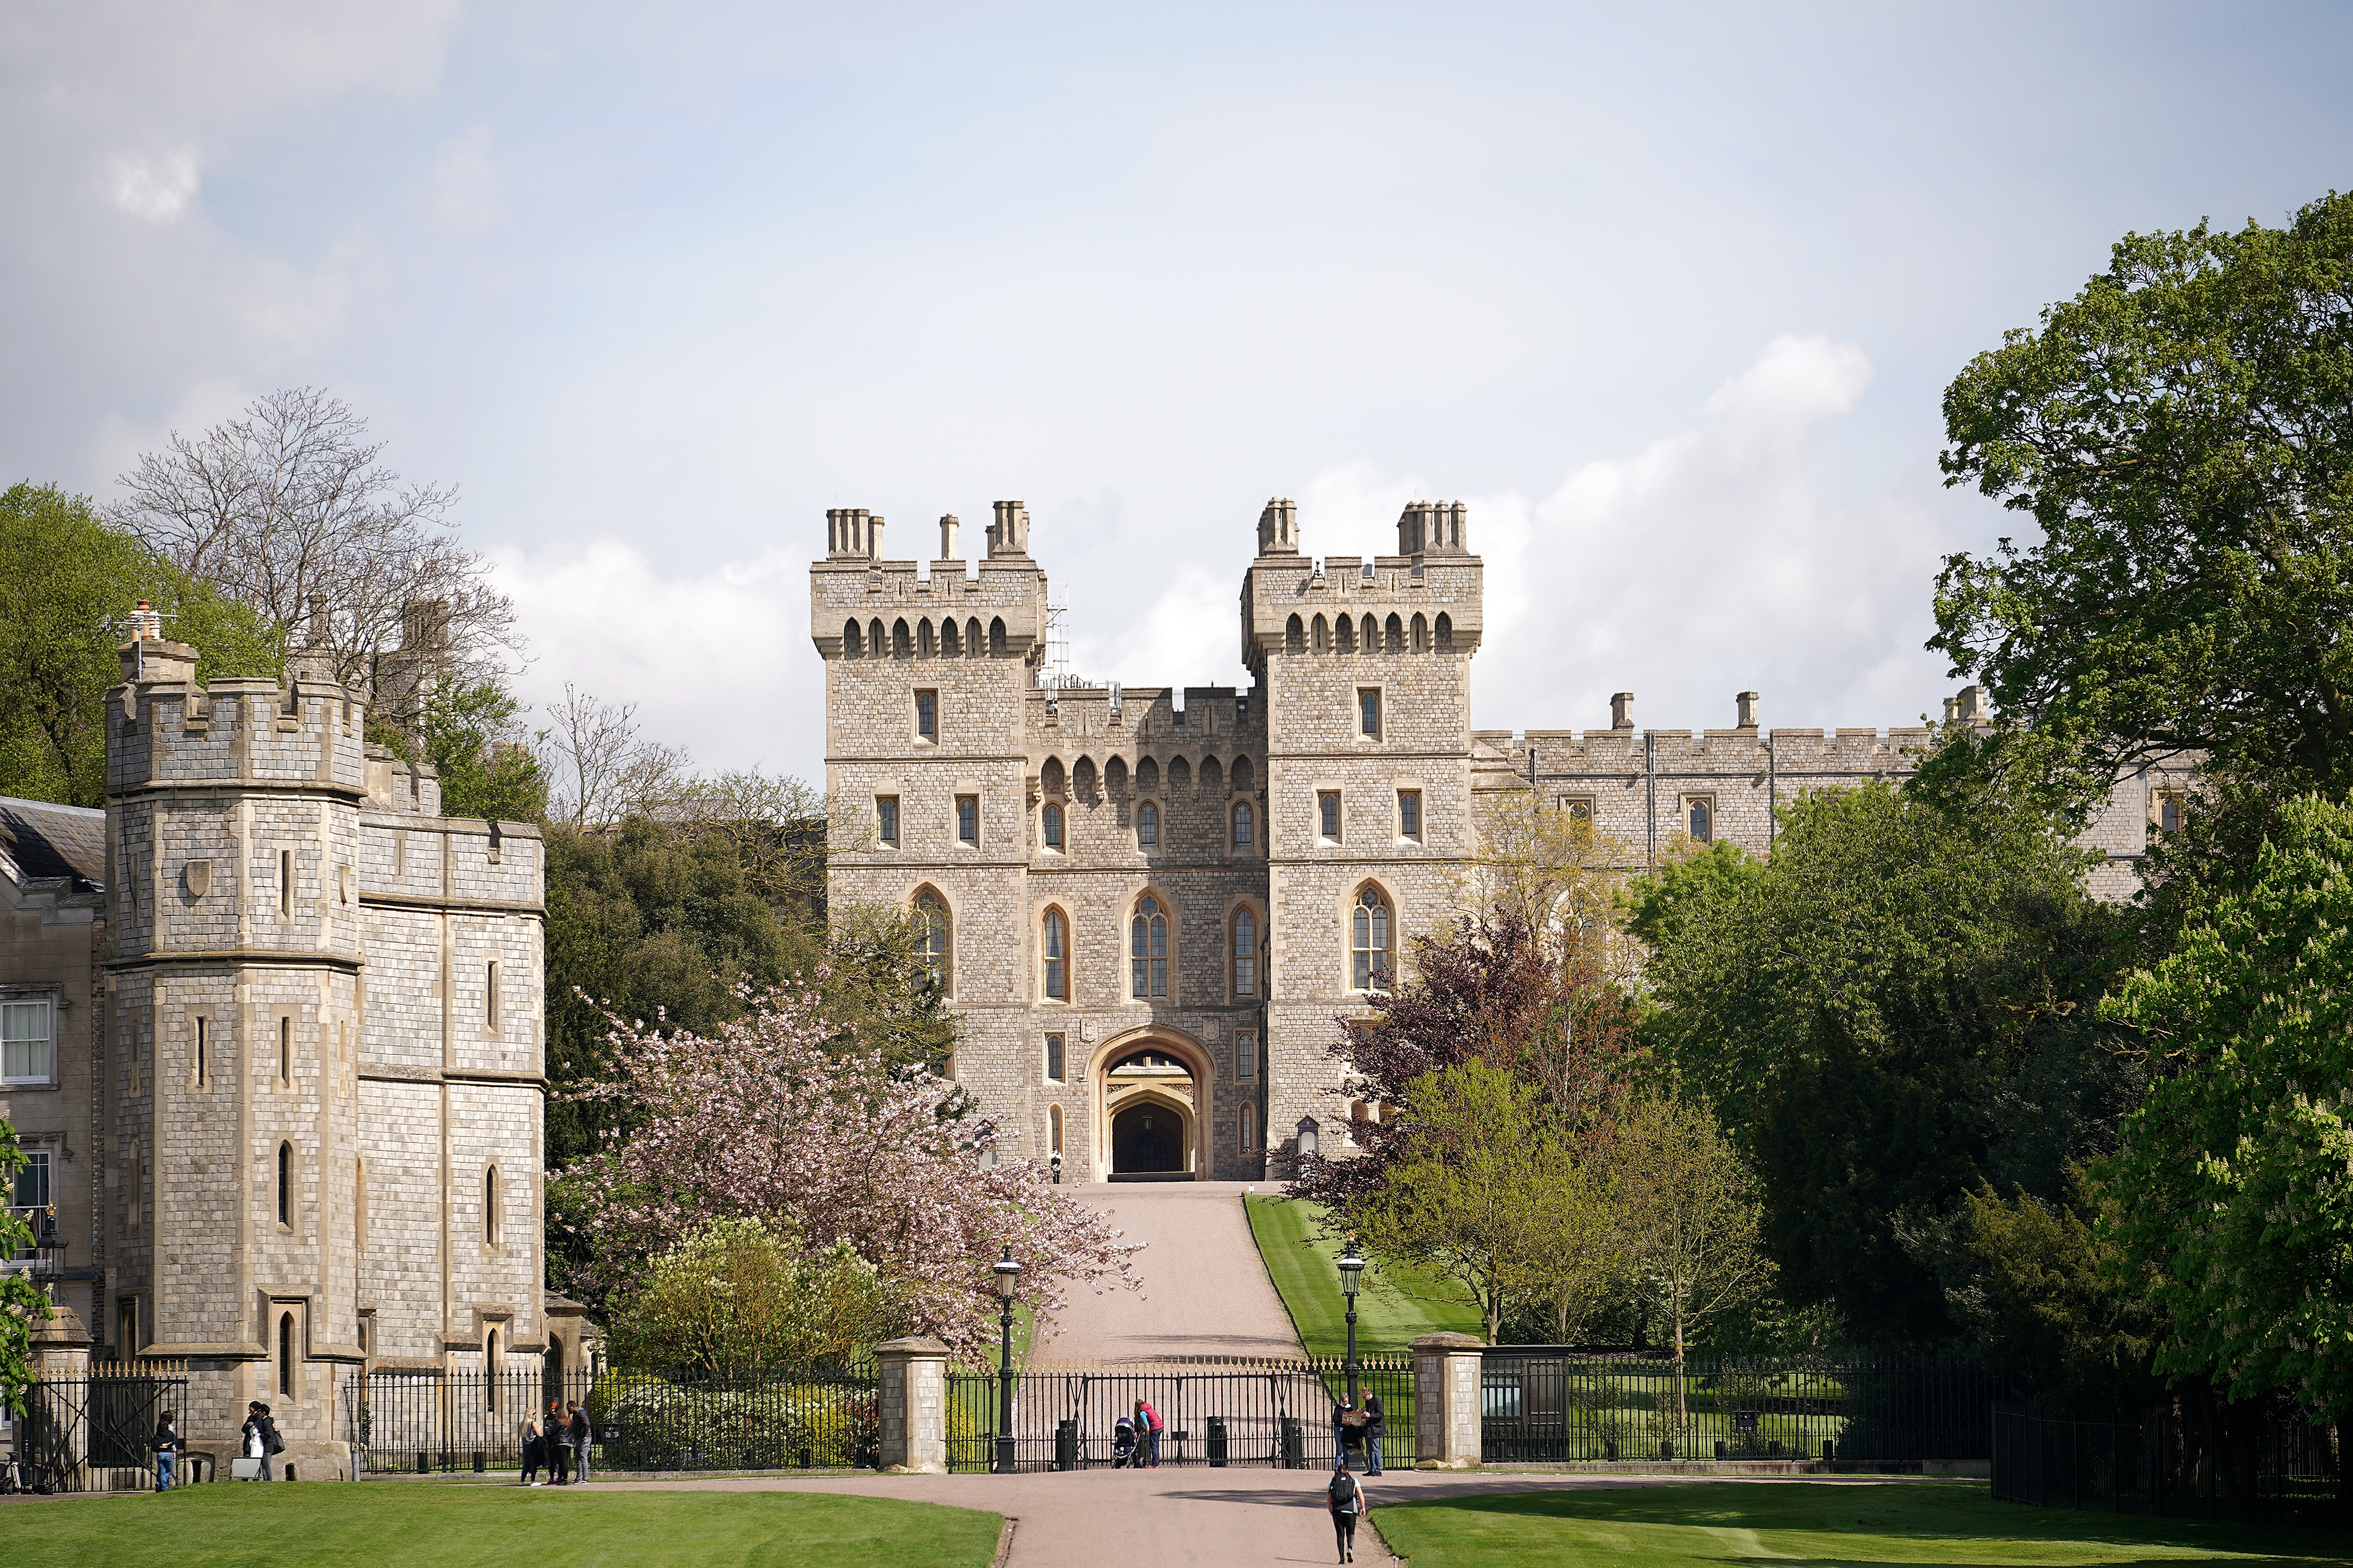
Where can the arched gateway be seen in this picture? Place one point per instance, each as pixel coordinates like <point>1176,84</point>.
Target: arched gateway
<point>1153,1095</point>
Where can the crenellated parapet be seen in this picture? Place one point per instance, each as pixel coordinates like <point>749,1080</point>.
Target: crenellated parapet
<point>863,607</point>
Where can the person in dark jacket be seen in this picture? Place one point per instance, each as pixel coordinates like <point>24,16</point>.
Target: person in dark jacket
<point>580,1441</point>
<point>559,1438</point>
<point>1374,1416</point>
<point>1348,1427</point>
<point>1345,1495</point>
<point>535,1450</point>
<point>167,1447</point>
<point>258,1424</point>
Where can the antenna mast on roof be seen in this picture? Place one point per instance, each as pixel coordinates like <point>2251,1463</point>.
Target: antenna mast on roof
<point>1057,642</point>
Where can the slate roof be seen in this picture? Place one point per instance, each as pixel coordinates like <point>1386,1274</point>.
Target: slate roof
<point>40,841</point>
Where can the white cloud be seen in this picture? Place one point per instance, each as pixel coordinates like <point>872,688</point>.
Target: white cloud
<point>464,194</point>
<point>720,663</point>
<point>157,187</point>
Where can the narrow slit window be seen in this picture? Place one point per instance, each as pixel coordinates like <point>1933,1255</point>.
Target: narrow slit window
<point>968,819</point>
<point>491,993</point>
<point>1245,835</point>
<point>285,1184</point>
<point>1368,712</point>
<point>1246,1054</point>
<point>1054,1129</point>
<point>1245,953</point>
<point>1410,814</point>
<point>1147,824</point>
<point>927,715</point>
<point>1249,1128</point>
<point>285,1050</point>
<point>286,1354</point>
<point>1057,956</point>
<point>286,882</point>
<point>201,1043</point>
<point>1053,828</point>
<point>886,816</point>
<point>490,1206</point>
<point>1327,812</point>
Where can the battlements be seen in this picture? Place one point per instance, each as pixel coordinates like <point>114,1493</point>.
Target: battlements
<point>173,731</point>
<point>1211,715</point>
<point>863,607</point>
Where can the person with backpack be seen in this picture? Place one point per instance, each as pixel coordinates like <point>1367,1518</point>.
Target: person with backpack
<point>167,1451</point>
<point>1345,1498</point>
<point>1147,1433</point>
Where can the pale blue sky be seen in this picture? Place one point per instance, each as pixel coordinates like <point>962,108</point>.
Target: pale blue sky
<point>1669,297</point>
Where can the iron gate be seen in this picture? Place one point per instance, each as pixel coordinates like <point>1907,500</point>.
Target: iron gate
<point>94,1432</point>
<point>1213,1412</point>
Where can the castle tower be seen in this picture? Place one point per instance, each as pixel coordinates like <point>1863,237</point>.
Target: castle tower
<point>1366,665</point>
<point>324,1050</point>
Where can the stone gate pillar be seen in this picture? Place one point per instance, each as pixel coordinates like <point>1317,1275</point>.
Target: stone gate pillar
<point>60,1355</point>
<point>1446,1410</point>
<point>913,1404</point>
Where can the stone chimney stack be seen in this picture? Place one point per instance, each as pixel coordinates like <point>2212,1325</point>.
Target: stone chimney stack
<point>948,550</point>
<point>1278,528</point>
<point>1010,535</point>
<point>1621,710</point>
<point>852,533</point>
<point>1973,709</point>
<point>1952,710</point>
<point>1747,704</point>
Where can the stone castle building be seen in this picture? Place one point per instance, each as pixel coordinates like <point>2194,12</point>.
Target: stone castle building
<point>1150,904</point>
<point>274,1042</point>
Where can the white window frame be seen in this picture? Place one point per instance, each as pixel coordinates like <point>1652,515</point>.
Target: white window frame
<point>45,1000</point>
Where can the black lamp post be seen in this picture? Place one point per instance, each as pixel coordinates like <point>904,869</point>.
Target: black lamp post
<point>1008,1280</point>
<point>49,1248</point>
<point>1351,1266</point>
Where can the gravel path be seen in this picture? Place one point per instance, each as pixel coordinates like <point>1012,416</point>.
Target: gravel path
<point>1205,1288</point>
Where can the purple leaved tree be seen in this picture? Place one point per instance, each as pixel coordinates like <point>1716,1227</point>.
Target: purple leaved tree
<point>759,1120</point>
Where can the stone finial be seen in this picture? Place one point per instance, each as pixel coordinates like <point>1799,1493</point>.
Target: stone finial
<point>1746,701</point>
<point>1278,527</point>
<point>1621,710</point>
<point>948,550</point>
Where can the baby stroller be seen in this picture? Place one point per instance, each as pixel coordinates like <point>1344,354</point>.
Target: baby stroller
<point>1122,1444</point>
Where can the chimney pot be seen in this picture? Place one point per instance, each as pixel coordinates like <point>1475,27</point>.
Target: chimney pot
<point>948,550</point>
<point>1746,701</point>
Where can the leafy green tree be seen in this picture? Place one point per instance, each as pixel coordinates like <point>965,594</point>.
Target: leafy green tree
<point>1688,1222</point>
<point>67,584</point>
<point>1895,1007</point>
<point>22,1302</point>
<point>2232,1188</point>
<point>2177,433</point>
<point>468,731</point>
<point>739,1292</point>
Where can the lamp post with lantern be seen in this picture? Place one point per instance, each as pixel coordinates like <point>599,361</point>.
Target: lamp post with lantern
<point>1009,1282</point>
<point>1352,1266</point>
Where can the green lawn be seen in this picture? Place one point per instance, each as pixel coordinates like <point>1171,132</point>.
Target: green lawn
<point>1910,1523</point>
<point>1396,1305</point>
<point>295,1523</point>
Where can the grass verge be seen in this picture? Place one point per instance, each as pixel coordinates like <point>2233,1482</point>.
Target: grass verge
<point>301,1522</point>
<point>1397,1304</point>
<point>1907,1523</point>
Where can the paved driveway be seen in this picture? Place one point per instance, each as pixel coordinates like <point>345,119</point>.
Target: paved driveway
<point>1205,1288</point>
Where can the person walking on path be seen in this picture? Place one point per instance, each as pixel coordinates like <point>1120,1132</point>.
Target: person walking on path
<point>559,1438</point>
<point>167,1452</point>
<point>1374,1417</point>
<point>1345,1495</point>
<point>580,1439</point>
<point>1147,1433</point>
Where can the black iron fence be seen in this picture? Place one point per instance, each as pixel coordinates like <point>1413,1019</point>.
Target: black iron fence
<point>2258,1462</point>
<point>1550,1404</point>
<point>802,1417</point>
<point>1213,1412</point>
<point>94,1432</point>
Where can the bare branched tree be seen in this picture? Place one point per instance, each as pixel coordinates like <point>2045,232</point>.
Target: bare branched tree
<point>596,749</point>
<point>288,509</point>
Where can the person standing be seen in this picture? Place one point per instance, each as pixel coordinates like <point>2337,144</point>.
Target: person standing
<point>1345,1495</point>
<point>1348,1425</point>
<point>1374,1417</point>
<point>167,1452</point>
<point>1147,1433</point>
<point>559,1438</point>
<point>580,1439</point>
<point>535,1450</point>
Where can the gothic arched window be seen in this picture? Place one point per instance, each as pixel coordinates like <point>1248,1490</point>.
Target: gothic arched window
<point>1294,636</point>
<point>1703,821</point>
<point>997,637</point>
<point>972,643</point>
<point>1322,636</point>
<point>1368,941</point>
<point>1445,633</point>
<point>950,644</point>
<point>935,934</point>
<point>924,644</point>
<point>1245,831</point>
<point>854,641</point>
<point>1343,635</point>
<point>1147,824</point>
<point>1421,633</point>
<point>1058,949</point>
<point>1053,825</point>
<point>1147,950</point>
<point>902,643</point>
<point>1396,635</point>
<point>1245,953</point>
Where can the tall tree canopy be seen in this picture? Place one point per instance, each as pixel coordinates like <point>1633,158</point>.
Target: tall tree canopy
<point>2237,1204</point>
<point>1893,1009</point>
<point>2181,433</point>
<point>67,584</point>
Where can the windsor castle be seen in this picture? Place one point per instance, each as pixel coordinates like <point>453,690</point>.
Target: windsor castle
<point>1149,905</point>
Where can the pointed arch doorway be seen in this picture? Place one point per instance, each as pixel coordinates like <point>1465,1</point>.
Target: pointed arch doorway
<point>1153,1093</point>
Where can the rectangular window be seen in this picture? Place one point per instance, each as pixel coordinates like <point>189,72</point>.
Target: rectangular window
<point>1053,1058</point>
<point>33,1191</point>
<point>490,994</point>
<point>1369,711</point>
<point>927,715</point>
<point>1410,814</point>
<point>967,819</point>
<point>27,1055</point>
<point>2167,814</point>
<point>286,882</point>
<point>886,815</point>
<point>1579,809</point>
<point>1246,1055</point>
<point>285,1049</point>
<point>1327,812</point>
